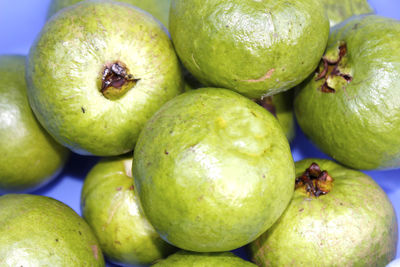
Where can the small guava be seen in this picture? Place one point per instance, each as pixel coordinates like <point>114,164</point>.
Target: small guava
<point>194,259</point>
<point>350,108</point>
<point>256,48</point>
<point>340,10</point>
<point>97,71</point>
<point>337,217</point>
<point>30,156</point>
<point>110,206</point>
<point>41,231</point>
<point>158,8</point>
<point>213,170</point>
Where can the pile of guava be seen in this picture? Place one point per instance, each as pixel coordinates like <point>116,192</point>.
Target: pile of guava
<point>190,108</point>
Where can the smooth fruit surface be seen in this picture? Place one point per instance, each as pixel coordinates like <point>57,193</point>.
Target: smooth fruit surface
<point>351,107</point>
<point>192,259</point>
<point>353,224</point>
<point>340,10</point>
<point>30,156</point>
<point>110,206</point>
<point>256,48</point>
<point>97,72</point>
<point>213,170</point>
<point>41,231</point>
<point>158,8</point>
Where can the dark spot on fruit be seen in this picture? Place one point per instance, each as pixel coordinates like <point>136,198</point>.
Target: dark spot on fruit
<point>315,181</point>
<point>83,109</point>
<point>227,26</point>
<point>56,239</point>
<point>119,188</point>
<point>166,152</point>
<point>355,27</point>
<point>263,176</point>
<point>117,242</point>
<point>268,104</point>
<point>301,209</point>
<point>131,187</point>
<point>341,204</point>
<point>80,233</point>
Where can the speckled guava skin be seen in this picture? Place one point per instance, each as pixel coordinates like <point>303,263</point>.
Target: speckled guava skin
<point>65,68</point>
<point>255,48</point>
<point>359,123</point>
<point>340,10</point>
<point>110,206</point>
<point>30,156</point>
<point>41,231</point>
<point>158,8</point>
<point>352,225</point>
<point>213,170</point>
<point>194,259</point>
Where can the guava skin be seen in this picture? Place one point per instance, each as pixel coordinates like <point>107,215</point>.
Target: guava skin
<point>340,10</point>
<point>65,69</point>
<point>358,123</point>
<point>192,259</point>
<point>158,8</point>
<point>256,48</point>
<point>352,225</point>
<point>213,170</point>
<point>41,231</point>
<point>30,156</point>
<point>110,206</point>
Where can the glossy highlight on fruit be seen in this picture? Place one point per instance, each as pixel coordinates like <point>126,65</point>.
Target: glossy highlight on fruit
<point>337,217</point>
<point>213,170</point>
<point>41,231</point>
<point>256,48</point>
<point>350,108</point>
<point>97,72</point>
<point>30,157</point>
<point>110,206</point>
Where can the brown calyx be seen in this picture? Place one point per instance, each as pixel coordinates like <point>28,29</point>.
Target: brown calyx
<point>330,69</point>
<point>315,181</point>
<point>268,104</point>
<point>116,81</point>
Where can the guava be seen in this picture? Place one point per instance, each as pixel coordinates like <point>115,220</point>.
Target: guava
<point>41,231</point>
<point>30,156</point>
<point>213,170</point>
<point>337,217</point>
<point>350,108</point>
<point>97,72</point>
<point>256,48</point>
<point>281,106</point>
<point>340,10</point>
<point>110,206</point>
<point>194,259</point>
<point>158,8</point>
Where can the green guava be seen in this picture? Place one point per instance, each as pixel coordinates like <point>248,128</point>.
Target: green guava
<point>97,72</point>
<point>158,8</point>
<point>350,108</point>
<point>41,231</point>
<point>340,10</point>
<point>30,157</point>
<point>256,48</point>
<point>213,170</point>
<point>193,259</point>
<point>281,106</point>
<point>337,217</point>
<point>111,208</point>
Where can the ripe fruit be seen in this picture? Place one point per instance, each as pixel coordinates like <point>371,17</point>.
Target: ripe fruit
<point>30,156</point>
<point>337,217</point>
<point>213,170</point>
<point>41,231</point>
<point>350,108</point>
<point>111,208</point>
<point>97,72</point>
<point>256,48</point>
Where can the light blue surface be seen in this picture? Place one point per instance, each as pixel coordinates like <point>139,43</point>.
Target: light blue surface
<point>21,21</point>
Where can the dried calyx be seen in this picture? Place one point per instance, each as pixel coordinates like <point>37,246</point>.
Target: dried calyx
<point>315,181</point>
<point>116,81</point>
<point>268,104</point>
<point>332,68</point>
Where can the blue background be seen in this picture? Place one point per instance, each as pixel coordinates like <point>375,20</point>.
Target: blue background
<point>22,20</point>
